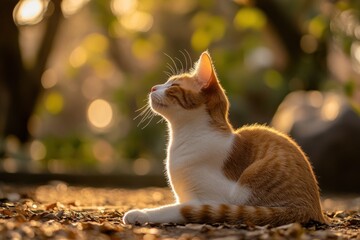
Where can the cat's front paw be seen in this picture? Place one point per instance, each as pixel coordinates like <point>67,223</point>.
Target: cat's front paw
<point>135,216</point>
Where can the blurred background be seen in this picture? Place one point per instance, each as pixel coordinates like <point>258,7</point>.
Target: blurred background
<point>73,74</point>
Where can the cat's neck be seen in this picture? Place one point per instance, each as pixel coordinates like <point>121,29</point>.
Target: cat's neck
<point>188,126</point>
<point>193,127</point>
<point>190,122</point>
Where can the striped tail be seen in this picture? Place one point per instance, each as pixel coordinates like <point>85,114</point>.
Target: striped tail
<point>274,216</point>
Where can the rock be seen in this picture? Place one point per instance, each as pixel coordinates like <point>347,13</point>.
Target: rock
<point>328,130</point>
<point>341,214</point>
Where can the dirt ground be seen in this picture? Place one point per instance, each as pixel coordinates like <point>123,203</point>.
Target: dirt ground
<point>59,211</point>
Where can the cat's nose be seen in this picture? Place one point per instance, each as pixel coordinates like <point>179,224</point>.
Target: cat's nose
<point>153,89</point>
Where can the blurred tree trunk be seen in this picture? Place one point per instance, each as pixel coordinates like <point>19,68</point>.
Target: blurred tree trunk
<point>290,35</point>
<point>21,86</point>
<point>11,67</point>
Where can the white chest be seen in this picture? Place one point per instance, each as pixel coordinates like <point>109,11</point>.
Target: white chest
<point>194,164</point>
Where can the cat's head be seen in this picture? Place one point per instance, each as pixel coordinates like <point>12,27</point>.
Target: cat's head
<point>192,96</point>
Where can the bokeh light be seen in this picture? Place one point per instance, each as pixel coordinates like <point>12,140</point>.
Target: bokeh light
<point>10,165</point>
<point>355,54</point>
<point>331,107</point>
<point>113,54</point>
<point>209,28</point>
<point>260,57</point>
<point>137,21</point>
<point>100,114</point>
<point>37,150</point>
<point>200,40</point>
<point>54,102</point>
<point>49,78</point>
<point>96,43</point>
<point>249,18</point>
<point>315,99</point>
<point>78,57</point>
<point>70,7</point>
<point>317,26</point>
<point>121,7</point>
<point>103,151</point>
<point>273,79</point>
<point>29,11</point>
<point>143,48</point>
<point>141,166</point>
<point>285,118</point>
<point>12,144</point>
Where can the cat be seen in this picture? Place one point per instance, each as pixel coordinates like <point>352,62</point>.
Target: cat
<point>253,175</point>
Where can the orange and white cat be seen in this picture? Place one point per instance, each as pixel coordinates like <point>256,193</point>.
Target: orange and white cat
<point>254,174</point>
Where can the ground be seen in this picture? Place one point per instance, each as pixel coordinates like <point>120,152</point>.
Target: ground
<point>59,211</point>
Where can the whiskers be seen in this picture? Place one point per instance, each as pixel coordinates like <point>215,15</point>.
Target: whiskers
<point>146,114</point>
<point>176,65</point>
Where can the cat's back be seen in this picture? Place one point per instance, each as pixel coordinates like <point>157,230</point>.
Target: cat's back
<point>266,136</point>
<point>271,149</point>
<point>267,151</point>
<point>266,142</point>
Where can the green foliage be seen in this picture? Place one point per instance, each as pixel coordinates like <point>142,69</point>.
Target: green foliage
<point>123,55</point>
<point>249,18</point>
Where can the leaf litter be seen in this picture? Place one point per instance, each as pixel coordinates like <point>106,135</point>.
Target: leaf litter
<point>59,211</point>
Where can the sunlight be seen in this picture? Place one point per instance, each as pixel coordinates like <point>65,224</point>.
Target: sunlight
<point>29,11</point>
<point>260,57</point>
<point>69,7</point>
<point>137,21</point>
<point>121,7</point>
<point>331,108</point>
<point>315,99</point>
<point>49,78</point>
<point>100,114</point>
<point>355,53</point>
<point>78,57</point>
<point>37,150</point>
<point>96,43</point>
<point>284,120</point>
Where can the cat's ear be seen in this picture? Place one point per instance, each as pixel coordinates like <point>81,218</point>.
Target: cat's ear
<point>204,70</point>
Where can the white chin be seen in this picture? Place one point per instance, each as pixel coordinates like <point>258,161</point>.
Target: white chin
<point>158,108</point>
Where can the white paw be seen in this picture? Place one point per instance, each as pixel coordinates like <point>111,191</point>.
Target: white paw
<point>135,216</point>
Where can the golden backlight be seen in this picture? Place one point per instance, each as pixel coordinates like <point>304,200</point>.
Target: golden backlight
<point>100,114</point>
<point>29,11</point>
